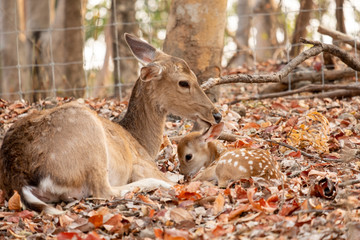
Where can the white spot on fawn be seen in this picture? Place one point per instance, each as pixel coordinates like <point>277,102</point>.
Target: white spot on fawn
<point>250,162</point>
<point>235,164</point>
<point>242,169</point>
<point>229,161</point>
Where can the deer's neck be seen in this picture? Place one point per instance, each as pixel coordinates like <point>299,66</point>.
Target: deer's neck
<point>144,120</point>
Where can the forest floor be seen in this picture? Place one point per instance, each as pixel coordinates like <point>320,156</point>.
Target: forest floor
<point>319,198</point>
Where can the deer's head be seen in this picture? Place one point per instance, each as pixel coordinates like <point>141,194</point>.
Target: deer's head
<point>172,85</point>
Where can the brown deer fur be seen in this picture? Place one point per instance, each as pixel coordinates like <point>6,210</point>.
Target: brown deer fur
<point>69,152</point>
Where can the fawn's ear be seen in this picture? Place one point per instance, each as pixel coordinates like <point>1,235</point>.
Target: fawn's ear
<point>213,132</point>
<point>144,52</point>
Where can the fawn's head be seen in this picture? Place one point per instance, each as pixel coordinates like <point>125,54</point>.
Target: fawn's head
<point>196,150</point>
<point>171,84</point>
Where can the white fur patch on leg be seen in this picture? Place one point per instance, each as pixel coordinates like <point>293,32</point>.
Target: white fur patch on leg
<point>33,200</point>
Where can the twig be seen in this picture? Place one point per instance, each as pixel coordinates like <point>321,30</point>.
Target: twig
<point>118,201</point>
<point>350,182</point>
<point>303,152</point>
<point>308,88</point>
<point>312,211</point>
<point>278,76</point>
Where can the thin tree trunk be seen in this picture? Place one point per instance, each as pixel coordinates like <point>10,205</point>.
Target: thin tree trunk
<point>67,42</point>
<point>8,50</point>
<point>103,76</point>
<point>340,19</point>
<point>123,18</point>
<point>243,10</point>
<point>195,32</point>
<point>302,21</point>
<point>37,22</point>
<point>265,26</point>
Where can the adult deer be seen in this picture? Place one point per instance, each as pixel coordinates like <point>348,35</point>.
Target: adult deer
<point>69,152</point>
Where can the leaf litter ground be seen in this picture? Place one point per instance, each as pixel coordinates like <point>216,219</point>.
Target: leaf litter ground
<point>318,200</point>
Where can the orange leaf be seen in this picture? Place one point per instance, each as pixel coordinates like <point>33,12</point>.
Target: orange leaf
<point>93,236</point>
<point>250,195</point>
<point>15,202</point>
<point>295,154</point>
<point>174,234</point>
<point>227,192</point>
<point>152,213</point>
<point>219,204</point>
<point>242,208</point>
<point>220,230</point>
<point>288,208</point>
<point>158,233</point>
<point>184,195</point>
<point>146,199</point>
<point>240,192</point>
<point>68,236</point>
<point>97,220</point>
<point>251,125</point>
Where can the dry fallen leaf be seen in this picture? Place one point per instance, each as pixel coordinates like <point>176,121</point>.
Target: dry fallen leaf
<point>15,202</point>
<point>219,204</point>
<point>180,214</point>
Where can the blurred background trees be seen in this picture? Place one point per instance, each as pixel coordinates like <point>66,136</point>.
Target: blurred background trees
<point>76,48</point>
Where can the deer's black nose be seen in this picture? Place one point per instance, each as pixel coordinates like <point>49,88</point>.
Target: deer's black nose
<point>217,117</point>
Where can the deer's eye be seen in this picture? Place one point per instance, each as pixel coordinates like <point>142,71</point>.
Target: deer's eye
<point>184,84</point>
<point>188,157</point>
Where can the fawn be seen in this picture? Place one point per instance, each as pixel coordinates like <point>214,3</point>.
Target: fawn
<point>198,150</point>
<point>69,152</point>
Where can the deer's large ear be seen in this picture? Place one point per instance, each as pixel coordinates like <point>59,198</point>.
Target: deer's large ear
<point>213,132</point>
<point>144,52</point>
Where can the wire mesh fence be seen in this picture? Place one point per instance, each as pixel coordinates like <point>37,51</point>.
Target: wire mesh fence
<point>99,63</point>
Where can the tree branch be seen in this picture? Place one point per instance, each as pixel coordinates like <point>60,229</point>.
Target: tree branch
<point>278,76</point>
<point>339,36</point>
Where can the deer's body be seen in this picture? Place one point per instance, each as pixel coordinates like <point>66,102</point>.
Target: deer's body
<point>197,151</point>
<point>69,152</point>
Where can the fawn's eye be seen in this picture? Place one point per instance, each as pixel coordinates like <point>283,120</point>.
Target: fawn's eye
<point>188,157</point>
<point>184,84</point>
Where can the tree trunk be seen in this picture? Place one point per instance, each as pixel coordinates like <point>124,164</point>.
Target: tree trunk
<point>302,21</point>
<point>37,22</point>
<point>243,10</point>
<point>8,51</point>
<point>67,48</point>
<point>103,76</point>
<point>195,32</point>
<point>123,20</point>
<point>340,19</point>
<point>265,30</point>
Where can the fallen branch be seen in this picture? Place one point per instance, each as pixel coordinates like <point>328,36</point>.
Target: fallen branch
<point>303,152</point>
<point>278,76</point>
<point>308,88</point>
<point>339,36</point>
<point>327,75</point>
<point>332,94</point>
